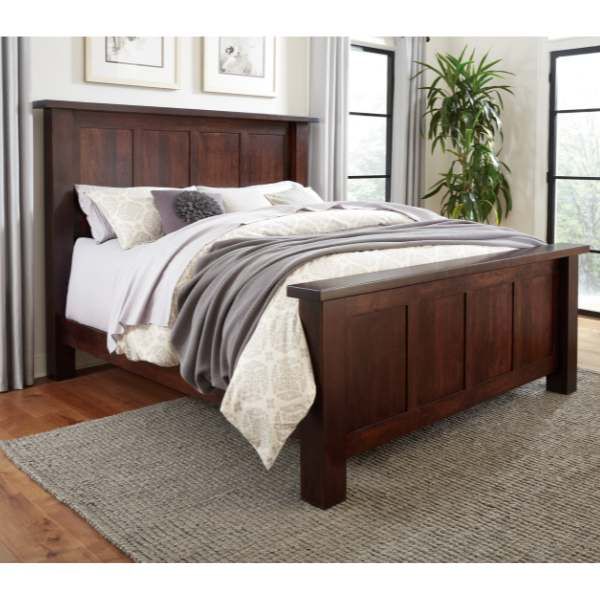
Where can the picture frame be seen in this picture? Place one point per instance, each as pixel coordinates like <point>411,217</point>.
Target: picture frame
<point>240,65</point>
<point>137,61</point>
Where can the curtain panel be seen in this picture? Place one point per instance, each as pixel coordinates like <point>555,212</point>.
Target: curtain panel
<point>329,58</point>
<point>408,147</point>
<point>16,216</point>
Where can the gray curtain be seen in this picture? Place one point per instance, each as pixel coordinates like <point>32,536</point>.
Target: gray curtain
<point>16,216</point>
<point>408,146</point>
<point>329,102</point>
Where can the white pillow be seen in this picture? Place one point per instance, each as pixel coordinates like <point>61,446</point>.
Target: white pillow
<point>295,196</point>
<point>249,197</point>
<point>130,212</point>
<point>99,226</point>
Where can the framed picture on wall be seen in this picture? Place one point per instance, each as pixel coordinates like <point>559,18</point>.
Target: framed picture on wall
<point>240,65</point>
<point>131,60</point>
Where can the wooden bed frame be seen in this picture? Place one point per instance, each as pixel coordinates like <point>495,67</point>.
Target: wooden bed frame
<point>392,351</point>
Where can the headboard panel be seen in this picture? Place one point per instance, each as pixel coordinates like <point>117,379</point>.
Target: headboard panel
<point>122,145</point>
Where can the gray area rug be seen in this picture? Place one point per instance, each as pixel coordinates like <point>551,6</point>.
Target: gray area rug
<point>514,479</point>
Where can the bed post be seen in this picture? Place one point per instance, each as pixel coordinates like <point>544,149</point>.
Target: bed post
<point>564,379</point>
<point>60,167</point>
<point>323,431</point>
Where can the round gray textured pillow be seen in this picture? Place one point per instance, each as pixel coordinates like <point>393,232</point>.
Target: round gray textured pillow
<point>191,206</point>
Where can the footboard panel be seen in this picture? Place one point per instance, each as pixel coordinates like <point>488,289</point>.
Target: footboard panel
<point>395,355</point>
<point>412,347</point>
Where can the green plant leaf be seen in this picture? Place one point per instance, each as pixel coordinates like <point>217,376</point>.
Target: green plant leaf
<point>464,105</point>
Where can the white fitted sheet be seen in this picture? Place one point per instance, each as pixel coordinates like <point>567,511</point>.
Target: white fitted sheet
<point>92,285</point>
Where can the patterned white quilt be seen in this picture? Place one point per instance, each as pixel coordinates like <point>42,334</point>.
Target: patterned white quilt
<point>272,387</point>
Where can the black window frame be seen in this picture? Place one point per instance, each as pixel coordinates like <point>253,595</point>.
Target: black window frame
<point>551,176</point>
<point>388,115</point>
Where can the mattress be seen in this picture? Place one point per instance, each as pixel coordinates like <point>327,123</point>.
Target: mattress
<point>92,285</point>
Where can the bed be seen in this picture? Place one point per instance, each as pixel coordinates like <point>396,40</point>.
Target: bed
<point>391,351</point>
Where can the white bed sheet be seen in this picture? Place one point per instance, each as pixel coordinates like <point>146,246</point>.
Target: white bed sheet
<point>92,285</point>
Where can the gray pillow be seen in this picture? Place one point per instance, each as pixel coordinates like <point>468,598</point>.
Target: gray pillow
<point>180,208</point>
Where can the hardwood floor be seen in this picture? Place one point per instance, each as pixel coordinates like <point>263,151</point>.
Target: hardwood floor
<point>589,343</point>
<point>34,526</point>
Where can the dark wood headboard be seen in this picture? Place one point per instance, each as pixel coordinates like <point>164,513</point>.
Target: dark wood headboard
<point>122,145</point>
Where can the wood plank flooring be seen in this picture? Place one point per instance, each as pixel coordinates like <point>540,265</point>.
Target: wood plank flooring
<point>589,343</point>
<point>34,526</point>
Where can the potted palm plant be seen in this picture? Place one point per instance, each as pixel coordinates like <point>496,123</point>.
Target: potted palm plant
<point>464,106</point>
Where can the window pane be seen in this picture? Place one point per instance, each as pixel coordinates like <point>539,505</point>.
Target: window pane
<point>368,82</point>
<point>589,282</point>
<point>578,144</point>
<point>578,81</point>
<point>578,212</point>
<point>371,190</point>
<point>366,145</point>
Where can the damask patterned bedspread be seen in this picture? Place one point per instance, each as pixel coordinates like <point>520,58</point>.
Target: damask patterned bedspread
<point>272,387</point>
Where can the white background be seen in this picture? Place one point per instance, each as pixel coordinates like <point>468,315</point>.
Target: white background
<point>309,17</point>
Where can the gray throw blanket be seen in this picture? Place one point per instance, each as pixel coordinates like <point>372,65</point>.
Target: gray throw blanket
<point>221,306</point>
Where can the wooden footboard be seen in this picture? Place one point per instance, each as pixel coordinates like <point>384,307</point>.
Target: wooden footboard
<point>397,350</point>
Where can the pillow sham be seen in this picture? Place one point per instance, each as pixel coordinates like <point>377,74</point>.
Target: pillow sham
<point>179,208</point>
<point>130,212</point>
<point>295,196</point>
<point>104,206</point>
<point>249,197</point>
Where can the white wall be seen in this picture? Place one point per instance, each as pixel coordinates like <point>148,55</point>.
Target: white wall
<point>58,74</point>
<point>525,124</point>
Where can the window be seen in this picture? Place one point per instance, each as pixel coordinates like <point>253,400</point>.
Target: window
<point>370,98</point>
<point>574,162</point>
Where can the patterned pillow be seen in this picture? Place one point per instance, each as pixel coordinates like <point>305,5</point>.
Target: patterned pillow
<point>130,212</point>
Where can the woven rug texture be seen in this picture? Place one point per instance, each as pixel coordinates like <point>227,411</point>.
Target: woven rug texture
<point>515,479</point>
